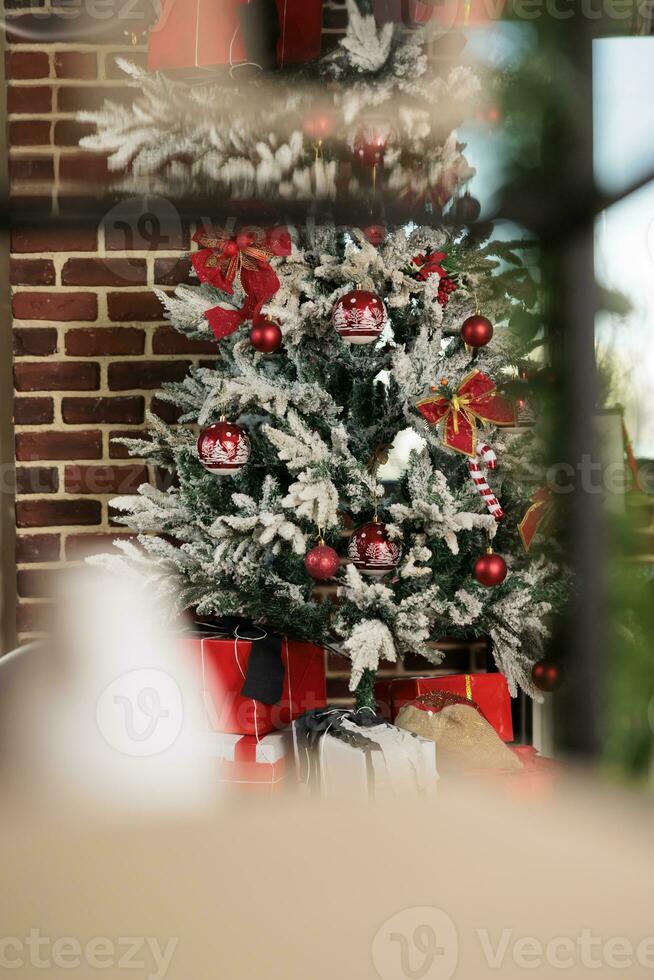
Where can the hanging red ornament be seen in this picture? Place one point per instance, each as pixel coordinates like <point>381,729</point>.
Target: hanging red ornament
<point>372,551</point>
<point>467,209</point>
<point>375,234</point>
<point>547,676</point>
<point>223,448</point>
<point>359,317</point>
<point>490,569</point>
<point>266,336</point>
<point>370,145</point>
<point>320,125</point>
<point>322,562</point>
<point>477,331</point>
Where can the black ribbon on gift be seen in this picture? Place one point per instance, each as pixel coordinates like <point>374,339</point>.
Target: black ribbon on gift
<point>264,680</point>
<point>314,724</point>
<point>260,30</point>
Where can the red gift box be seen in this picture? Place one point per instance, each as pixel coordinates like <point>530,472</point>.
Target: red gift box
<point>223,665</point>
<point>489,691</point>
<point>246,764</point>
<point>203,33</point>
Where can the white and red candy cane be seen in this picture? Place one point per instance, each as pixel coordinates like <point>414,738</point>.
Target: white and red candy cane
<point>487,457</point>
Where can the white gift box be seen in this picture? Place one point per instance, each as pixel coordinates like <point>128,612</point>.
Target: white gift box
<point>381,762</point>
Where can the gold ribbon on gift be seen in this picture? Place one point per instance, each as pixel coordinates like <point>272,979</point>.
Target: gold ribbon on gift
<point>468,687</point>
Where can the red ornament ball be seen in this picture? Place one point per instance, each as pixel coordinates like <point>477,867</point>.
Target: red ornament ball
<point>547,676</point>
<point>490,570</point>
<point>223,448</point>
<point>322,562</point>
<point>375,234</point>
<point>372,551</point>
<point>320,125</point>
<point>467,209</point>
<point>266,336</point>
<point>370,145</point>
<point>477,331</point>
<point>359,317</point>
<point>230,249</point>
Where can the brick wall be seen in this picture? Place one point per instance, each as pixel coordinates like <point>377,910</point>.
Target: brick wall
<point>90,345</point>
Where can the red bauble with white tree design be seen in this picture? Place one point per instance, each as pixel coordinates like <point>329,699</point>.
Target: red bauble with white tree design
<point>223,448</point>
<point>359,317</point>
<point>322,562</point>
<point>372,551</point>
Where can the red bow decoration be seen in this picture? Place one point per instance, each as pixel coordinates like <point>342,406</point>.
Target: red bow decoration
<point>430,264</point>
<point>542,505</point>
<point>476,398</point>
<point>244,259</point>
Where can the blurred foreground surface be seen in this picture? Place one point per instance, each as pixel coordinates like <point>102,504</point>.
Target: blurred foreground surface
<point>466,886</point>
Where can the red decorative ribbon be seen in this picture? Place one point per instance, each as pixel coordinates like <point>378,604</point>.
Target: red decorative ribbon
<point>244,259</point>
<point>540,511</point>
<point>430,265</point>
<point>475,399</point>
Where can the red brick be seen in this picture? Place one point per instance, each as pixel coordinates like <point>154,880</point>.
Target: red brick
<point>33,617</point>
<point>126,375</point>
<point>82,546</point>
<point>127,307</point>
<point>33,548</point>
<point>32,272</point>
<point>88,168</point>
<point>55,513</point>
<point>71,98</point>
<point>74,23</point>
<point>37,479</point>
<point>33,411</point>
<point>105,479</point>
<point>71,444</point>
<point>29,132</point>
<point>167,340</point>
<point>53,238</point>
<point>68,132</point>
<point>116,449</point>
<point>146,232</point>
<point>34,341</point>
<point>171,272</point>
<point>165,411</point>
<point>27,64</point>
<point>127,410</point>
<point>37,583</point>
<point>104,272</point>
<point>26,168</point>
<point>60,376</point>
<point>29,98</point>
<point>55,306</point>
<point>89,342</point>
<point>76,64</point>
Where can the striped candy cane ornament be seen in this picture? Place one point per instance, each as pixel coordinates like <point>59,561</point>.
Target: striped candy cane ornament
<point>487,457</point>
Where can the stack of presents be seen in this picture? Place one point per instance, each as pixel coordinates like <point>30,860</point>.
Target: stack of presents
<point>269,728</point>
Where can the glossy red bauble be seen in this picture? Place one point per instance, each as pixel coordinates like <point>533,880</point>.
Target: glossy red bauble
<point>230,249</point>
<point>477,331</point>
<point>372,551</point>
<point>322,562</point>
<point>320,125</point>
<point>547,676</point>
<point>375,234</point>
<point>223,448</point>
<point>359,317</point>
<point>266,336</point>
<point>467,209</point>
<point>370,145</point>
<point>490,570</point>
